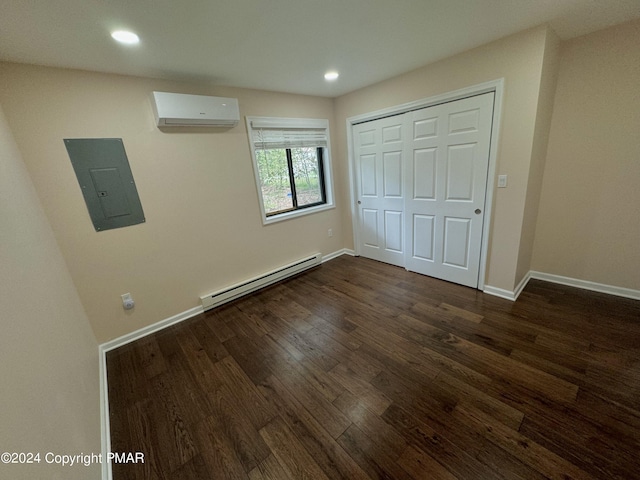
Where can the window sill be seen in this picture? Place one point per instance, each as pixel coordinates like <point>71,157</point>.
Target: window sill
<point>296,213</point>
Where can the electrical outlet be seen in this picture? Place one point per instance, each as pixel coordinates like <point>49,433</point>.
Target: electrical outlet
<point>127,301</point>
<point>330,232</point>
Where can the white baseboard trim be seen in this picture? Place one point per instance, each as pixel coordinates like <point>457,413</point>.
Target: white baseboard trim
<point>587,285</point>
<point>500,292</point>
<point>331,256</point>
<point>105,426</point>
<point>521,285</point>
<point>148,330</point>
<point>559,279</point>
<point>508,294</point>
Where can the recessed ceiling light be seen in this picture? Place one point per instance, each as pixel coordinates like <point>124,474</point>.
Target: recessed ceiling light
<point>331,76</point>
<point>124,36</point>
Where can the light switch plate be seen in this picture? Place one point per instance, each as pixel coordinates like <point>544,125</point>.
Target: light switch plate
<point>502,181</point>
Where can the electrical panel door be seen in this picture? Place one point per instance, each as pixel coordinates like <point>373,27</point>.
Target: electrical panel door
<point>107,184</point>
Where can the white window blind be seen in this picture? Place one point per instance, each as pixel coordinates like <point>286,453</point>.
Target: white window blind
<point>288,133</point>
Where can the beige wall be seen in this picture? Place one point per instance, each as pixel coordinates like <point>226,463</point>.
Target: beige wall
<point>589,219</point>
<point>548,79</point>
<point>519,60</point>
<point>203,229</point>
<point>49,359</point>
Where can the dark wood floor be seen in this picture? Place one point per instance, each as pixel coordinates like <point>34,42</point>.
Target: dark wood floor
<point>361,370</point>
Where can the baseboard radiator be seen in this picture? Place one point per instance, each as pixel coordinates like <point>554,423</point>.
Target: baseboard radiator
<point>235,291</point>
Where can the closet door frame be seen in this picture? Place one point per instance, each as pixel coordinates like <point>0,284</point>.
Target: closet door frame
<point>496,86</point>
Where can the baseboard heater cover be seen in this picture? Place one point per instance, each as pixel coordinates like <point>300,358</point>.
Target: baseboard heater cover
<point>235,291</point>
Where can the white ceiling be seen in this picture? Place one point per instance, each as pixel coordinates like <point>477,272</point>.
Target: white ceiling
<point>280,45</point>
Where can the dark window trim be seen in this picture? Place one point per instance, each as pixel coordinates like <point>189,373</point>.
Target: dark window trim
<point>292,179</point>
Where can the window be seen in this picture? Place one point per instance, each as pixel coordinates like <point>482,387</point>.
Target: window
<point>291,163</point>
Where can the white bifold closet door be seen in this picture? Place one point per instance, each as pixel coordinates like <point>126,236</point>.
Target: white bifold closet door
<point>422,179</point>
<point>379,147</point>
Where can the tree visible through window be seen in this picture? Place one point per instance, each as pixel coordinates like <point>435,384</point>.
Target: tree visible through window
<point>290,178</point>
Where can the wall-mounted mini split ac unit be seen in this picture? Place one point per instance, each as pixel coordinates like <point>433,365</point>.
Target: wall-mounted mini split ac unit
<point>183,110</point>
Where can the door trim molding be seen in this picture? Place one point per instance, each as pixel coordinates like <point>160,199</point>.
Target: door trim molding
<point>496,86</point>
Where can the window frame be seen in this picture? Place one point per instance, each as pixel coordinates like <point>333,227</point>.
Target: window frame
<point>324,160</point>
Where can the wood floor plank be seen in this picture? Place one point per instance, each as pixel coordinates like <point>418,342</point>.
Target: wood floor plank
<point>170,425</point>
<point>197,359</point>
<point>194,469</point>
<point>433,406</point>
<point>373,459</point>
<point>248,354</point>
<point>322,303</point>
<point>321,380</point>
<point>296,343</point>
<point>149,357</point>
<point>323,411</point>
<point>481,333</point>
<point>334,332</point>
<point>285,357</point>
<point>218,453</point>
<point>620,421</point>
<point>290,311</point>
<point>269,469</point>
<point>295,460</point>
<point>375,400</point>
<point>492,364</point>
<point>410,371</point>
<point>371,424</point>
<point>215,322</point>
<point>402,351</point>
<point>140,420</point>
<point>132,386</point>
<point>229,420</point>
<point>546,462</point>
<point>422,466</point>
<point>243,392</point>
<point>462,313</point>
<point>325,451</point>
<point>328,344</point>
<point>356,369</point>
<point>209,342</point>
<point>468,394</point>
<point>579,441</point>
<point>454,458</point>
<point>180,385</point>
